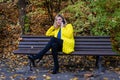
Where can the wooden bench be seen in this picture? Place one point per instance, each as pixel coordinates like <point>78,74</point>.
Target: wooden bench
<point>84,46</point>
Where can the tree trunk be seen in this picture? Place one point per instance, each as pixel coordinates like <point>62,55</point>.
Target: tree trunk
<point>22,6</point>
<point>72,1</point>
<point>58,5</point>
<point>49,6</point>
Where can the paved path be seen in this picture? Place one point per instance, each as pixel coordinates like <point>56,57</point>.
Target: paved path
<point>44,74</point>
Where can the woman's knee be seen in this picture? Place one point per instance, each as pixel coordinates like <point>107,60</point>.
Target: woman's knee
<point>54,45</point>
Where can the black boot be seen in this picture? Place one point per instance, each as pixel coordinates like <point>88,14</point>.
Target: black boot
<point>55,71</point>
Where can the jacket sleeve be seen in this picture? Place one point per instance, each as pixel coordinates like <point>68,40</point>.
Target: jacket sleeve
<point>50,31</point>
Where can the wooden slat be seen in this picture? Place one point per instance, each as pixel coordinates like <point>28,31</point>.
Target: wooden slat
<point>77,43</point>
<point>35,40</point>
<point>84,40</point>
<point>92,43</point>
<point>97,37</point>
<point>82,46</point>
<point>32,43</point>
<point>84,49</point>
<point>91,53</point>
<point>37,36</point>
<point>31,46</point>
<point>96,40</point>
<point>35,51</point>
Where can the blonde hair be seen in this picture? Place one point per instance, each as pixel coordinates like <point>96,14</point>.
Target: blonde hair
<point>63,20</point>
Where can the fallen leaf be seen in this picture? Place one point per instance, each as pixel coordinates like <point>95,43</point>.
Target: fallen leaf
<point>19,39</point>
<point>105,78</point>
<point>31,78</point>
<point>87,75</point>
<point>75,78</point>
<point>46,77</point>
<point>2,77</point>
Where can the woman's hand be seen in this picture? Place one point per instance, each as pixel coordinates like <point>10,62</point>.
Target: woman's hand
<point>56,27</point>
<point>61,24</point>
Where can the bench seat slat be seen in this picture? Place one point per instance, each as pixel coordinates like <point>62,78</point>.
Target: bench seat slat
<point>35,51</point>
<point>92,43</point>
<point>92,40</point>
<point>91,53</point>
<point>37,36</point>
<point>77,46</point>
<point>77,43</point>
<point>32,43</point>
<point>78,40</point>
<point>78,49</point>
<point>36,40</point>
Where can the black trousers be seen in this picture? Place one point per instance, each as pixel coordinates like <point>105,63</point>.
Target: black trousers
<point>56,45</point>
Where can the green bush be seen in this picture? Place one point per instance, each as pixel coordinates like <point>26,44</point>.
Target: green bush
<point>94,17</point>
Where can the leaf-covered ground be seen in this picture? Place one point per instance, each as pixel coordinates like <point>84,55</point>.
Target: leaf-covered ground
<point>43,71</point>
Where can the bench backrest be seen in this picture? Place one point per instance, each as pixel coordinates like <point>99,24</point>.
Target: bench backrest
<point>84,45</point>
<point>81,42</point>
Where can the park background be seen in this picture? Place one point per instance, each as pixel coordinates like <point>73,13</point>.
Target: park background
<point>34,17</point>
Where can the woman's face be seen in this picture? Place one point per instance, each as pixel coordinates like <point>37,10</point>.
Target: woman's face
<point>58,21</point>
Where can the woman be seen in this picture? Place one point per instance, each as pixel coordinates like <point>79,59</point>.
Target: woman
<point>62,39</point>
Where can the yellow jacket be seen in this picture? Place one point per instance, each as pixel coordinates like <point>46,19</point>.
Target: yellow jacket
<point>66,36</point>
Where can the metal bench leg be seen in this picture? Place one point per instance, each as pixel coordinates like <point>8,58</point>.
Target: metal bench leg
<point>31,64</point>
<point>96,64</point>
<point>100,67</point>
<point>100,63</point>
